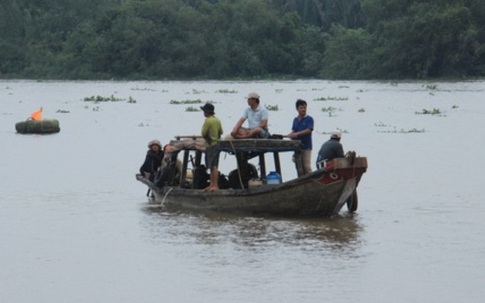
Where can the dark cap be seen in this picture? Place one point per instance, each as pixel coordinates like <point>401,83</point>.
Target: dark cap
<point>207,108</point>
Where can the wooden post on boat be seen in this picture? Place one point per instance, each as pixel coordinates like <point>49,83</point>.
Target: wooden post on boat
<point>198,158</point>
<point>185,162</point>
<point>262,165</point>
<point>277,164</point>
<point>242,164</point>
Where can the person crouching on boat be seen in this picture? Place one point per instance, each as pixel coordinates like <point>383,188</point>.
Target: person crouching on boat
<point>171,168</point>
<point>331,149</point>
<point>211,132</point>
<point>153,160</point>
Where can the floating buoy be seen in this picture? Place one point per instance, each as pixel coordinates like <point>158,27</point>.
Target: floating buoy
<point>45,126</point>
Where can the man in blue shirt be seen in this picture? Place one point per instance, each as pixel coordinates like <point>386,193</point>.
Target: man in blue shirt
<point>302,130</point>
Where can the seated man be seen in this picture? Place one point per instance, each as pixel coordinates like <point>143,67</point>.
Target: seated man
<point>330,150</point>
<point>153,160</point>
<point>173,162</point>
<point>170,169</point>
<point>257,117</point>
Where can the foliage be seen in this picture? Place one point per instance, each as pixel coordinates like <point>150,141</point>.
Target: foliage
<point>192,109</point>
<point>330,109</point>
<point>228,39</point>
<point>272,107</point>
<point>331,99</point>
<point>423,39</point>
<point>99,98</point>
<point>226,91</point>
<point>434,111</point>
<point>347,53</point>
<point>197,101</point>
<point>326,13</point>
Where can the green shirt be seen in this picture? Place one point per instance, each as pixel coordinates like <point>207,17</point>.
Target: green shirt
<point>212,130</point>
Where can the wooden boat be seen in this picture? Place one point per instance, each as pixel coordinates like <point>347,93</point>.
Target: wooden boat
<point>45,126</point>
<point>322,193</point>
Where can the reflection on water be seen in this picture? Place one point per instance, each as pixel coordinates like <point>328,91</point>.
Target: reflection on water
<point>341,234</point>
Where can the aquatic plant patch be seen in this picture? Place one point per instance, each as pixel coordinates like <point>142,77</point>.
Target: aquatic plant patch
<point>430,86</point>
<point>331,99</point>
<point>403,131</point>
<point>343,131</point>
<point>98,98</point>
<point>434,111</point>
<point>197,101</point>
<point>226,91</point>
<point>271,107</point>
<point>330,109</point>
<point>143,89</point>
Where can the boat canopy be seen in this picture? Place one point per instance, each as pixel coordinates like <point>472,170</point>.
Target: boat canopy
<point>239,145</point>
<point>259,145</point>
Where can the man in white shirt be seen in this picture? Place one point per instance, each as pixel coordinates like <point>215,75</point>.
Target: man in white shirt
<point>257,117</point>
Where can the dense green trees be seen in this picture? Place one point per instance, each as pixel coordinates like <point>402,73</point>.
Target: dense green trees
<point>411,39</point>
<point>221,39</point>
<point>423,38</point>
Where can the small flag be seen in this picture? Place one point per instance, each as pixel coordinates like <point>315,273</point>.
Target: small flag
<point>37,115</point>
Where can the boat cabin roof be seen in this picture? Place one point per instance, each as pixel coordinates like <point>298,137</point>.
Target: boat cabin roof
<point>259,145</point>
<point>240,145</point>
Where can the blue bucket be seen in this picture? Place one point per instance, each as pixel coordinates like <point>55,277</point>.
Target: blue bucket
<point>273,178</point>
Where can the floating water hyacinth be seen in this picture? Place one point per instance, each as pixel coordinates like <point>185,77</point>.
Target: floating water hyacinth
<point>197,101</point>
<point>434,111</point>
<point>271,107</point>
<point>330,109</point>
<point>331,99</point>
<point>98,98</point>
<point>226,91</point>
<point>403,131</point>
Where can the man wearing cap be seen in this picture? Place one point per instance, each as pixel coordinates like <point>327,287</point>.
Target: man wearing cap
<point>302,130</point>
<point>257,117</point>
<point>211,132</point>
<point>330,149</point>
<point>153,160</point>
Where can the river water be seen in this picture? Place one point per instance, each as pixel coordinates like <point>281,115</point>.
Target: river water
<point>75,225</point>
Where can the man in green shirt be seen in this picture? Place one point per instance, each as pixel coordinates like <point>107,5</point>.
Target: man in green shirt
<point>212,132</point>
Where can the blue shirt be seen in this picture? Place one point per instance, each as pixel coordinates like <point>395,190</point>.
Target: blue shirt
<point>299,125</point>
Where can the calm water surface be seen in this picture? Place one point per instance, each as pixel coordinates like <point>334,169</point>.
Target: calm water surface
<point>75,225</point>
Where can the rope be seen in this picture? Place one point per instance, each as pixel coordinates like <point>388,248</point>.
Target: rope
<point>237,162</point>
<point>163,200</point>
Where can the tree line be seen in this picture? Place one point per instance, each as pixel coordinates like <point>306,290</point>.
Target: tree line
<point>242,39</point>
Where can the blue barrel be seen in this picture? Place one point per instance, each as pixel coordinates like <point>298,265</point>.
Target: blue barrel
<point>273,178</point>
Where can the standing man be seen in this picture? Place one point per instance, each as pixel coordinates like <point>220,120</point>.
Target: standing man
<point>211,132</point>
<point>257,117</point>
<point>331,149</point>
<point>302,130</point>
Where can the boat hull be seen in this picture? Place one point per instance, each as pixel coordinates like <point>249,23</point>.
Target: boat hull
<point>309,196</point>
